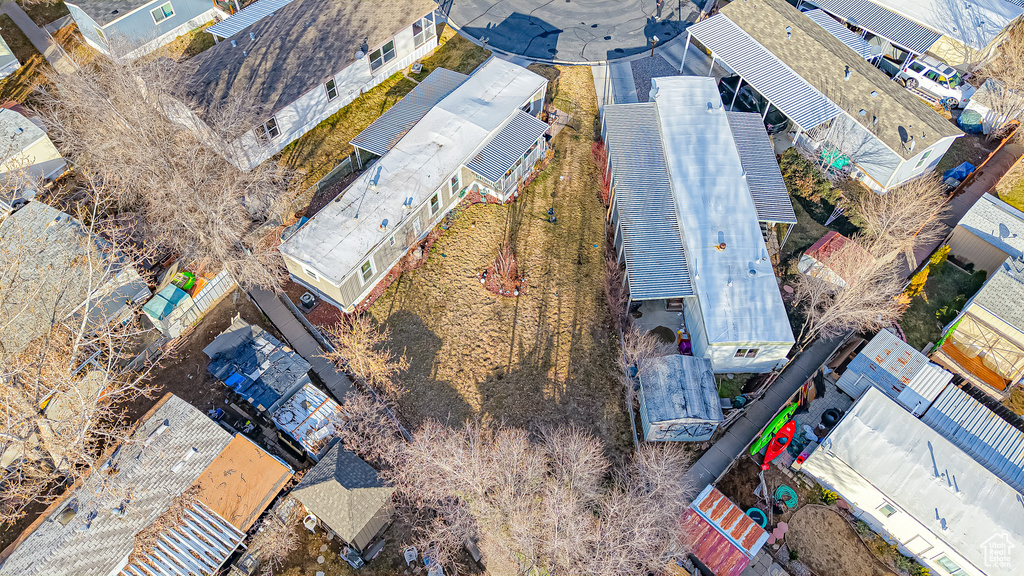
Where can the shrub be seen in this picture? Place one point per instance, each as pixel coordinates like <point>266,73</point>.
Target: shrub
<point>918,570</point>
<point>793,555</point>
<point>917,282</point>
<point>947,313</point>
<point>829,497</point>
<point>939,256</point>
<point>863,529</point>
<point>804,180</point>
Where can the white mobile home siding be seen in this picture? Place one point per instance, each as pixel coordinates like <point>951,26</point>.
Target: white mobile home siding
<point>312,108</point>
<point>911,169</point>
<point>138,29</point>
<point>865,501</point>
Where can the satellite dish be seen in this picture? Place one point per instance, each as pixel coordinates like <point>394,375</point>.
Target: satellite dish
<point>359,55</point>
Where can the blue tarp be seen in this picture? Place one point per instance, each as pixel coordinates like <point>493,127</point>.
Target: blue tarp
<point>161,305</point>
<point>960,172</point>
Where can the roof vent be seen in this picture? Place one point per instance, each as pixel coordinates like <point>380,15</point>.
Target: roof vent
<point>863,112</point>
<point>848,73</point>
<point>233,43</point>
<point>67,513</point>
<point>752,272</point>
<point>252,35</point>
<point>711,107</point>
<point>874,119</point>
<point>789,32</point>
<point>720,247</point>
<point>384,224</point>
<point>20,129</point>
<point>874,94</point>
<point>910,146</point>
<point>160,430</point>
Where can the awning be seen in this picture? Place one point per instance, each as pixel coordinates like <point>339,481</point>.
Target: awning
<point>865,14</point>
<point>842,33</point>
<point>757,155</point>
<point>787,91</point>
<point>246,17</point>
<point>382,135</point>
<point>508,146</point>
<point>655,256</point>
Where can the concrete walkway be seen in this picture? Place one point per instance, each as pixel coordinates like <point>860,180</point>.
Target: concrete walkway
<point>302,341</point>
<point>46,46</point>
<point>756,416</point>
<point>614,83</point>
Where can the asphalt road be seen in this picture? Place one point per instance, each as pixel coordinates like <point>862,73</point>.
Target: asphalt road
<point>583,31</point>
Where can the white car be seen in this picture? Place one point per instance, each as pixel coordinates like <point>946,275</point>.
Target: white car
<point>938,79</point>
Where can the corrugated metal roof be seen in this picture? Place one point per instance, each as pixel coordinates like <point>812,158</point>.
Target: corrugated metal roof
<point>882,22</point>
<point>246,17</point>
<point>309,416</point>
<point>199,545</point>
<point>382,135</point>
<point>730,520</point>
<point>764,178</point>
<point>842,33</point>
<point>976,23</point>
<point>790,93</point>
<point>507,146</point>
<point>975,429</point>
<point>655,257</point>
<point>892,365</point>
<point>679,387</point>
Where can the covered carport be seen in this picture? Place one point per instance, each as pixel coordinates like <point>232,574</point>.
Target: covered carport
<point>898,31</point>
<point>735,50</point>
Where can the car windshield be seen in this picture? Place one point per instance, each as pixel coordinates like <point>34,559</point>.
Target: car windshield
<point>955,81</point>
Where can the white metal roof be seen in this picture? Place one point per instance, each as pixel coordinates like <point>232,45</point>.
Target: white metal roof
<point>976,23</point>
<point>199,545</point>
<point>790,93</point>
<point>653,247</point>
<point>388,129</point>
<point>338,238</point>
<point>842,33</point>
<point>892,365</point>
<point>997,223</point>
<point>246,17</point>
<point>941,486</point>
<point>882,22</point>
<point>764,178</point>
<point>980,432</point>
<point>508,146</point>
<point>732,275</point>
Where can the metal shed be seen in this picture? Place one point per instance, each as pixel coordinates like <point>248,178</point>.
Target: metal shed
<point>897,369</point>
<point>678,399</point>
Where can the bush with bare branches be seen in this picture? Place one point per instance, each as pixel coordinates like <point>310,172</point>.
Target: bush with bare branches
<point>1005,96</point>
<point>904,218</point>
<point>113,119</point>
<point>362,348</point>
<point>553,504</point>
<point>502,277</point>
<point>274,539</point>
<point>615,292</point>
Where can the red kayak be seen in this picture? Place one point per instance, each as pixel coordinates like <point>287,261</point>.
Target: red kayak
<point>779,443</point>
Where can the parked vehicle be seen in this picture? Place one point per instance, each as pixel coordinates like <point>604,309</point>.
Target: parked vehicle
<point>938,79</point>
<point>749,100</point>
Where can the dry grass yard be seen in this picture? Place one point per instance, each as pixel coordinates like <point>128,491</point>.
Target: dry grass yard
<point>546,357</point>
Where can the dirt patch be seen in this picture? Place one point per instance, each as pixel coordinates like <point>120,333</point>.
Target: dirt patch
<point>183,371</point>
<point>546,357</point>
<point>828,545</point>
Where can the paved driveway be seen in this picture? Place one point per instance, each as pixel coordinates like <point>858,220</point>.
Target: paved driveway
<point>572,30</point>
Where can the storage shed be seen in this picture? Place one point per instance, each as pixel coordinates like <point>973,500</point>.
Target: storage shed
<point>678,399</point>
<point>898,370</point>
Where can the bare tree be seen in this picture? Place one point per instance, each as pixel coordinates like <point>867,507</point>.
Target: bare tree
<point>114,118</point>
<point>554,504</point>
<point>275,538</point>
<point>64,361</point>
<point>902,219</point>
<point>1005,93</point>
<point>362,348</point>
<point>615,292</point>
<point>860,293</point>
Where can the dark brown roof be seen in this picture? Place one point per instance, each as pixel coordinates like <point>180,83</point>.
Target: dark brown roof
<point>823,60</point>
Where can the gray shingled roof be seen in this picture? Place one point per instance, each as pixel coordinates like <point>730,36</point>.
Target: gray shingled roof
<point>1003,293</point>
<point>96,540</point>
<point>822,60</point>
<point>44,273</point>
<point>106,11</point>
<point>345,493</point>
<point>295,50</point>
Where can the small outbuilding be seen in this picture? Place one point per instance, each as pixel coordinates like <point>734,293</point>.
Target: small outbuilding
<point>346,497</point>
<point>720,535</point>
<point>678,399</point>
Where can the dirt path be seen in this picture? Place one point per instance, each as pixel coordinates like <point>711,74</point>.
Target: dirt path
<point>545,357</point>
<point>829,546</point>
